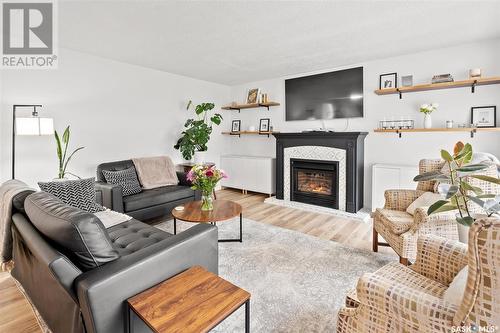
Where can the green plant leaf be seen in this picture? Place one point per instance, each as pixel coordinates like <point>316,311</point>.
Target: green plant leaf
<point>445,208</point>
<point>59,148</point>
<point>432,175</point>
<point>487,179</point>
<point>435,206</point>
<point>476,200</point>
<point>466,186</point>
<point>451,191</point>
<point>446,156</point>
<point>486,196</point>
<point>472,167</point>
<point>69,158</point>
<point>66,135</point>
<point>466,220</point>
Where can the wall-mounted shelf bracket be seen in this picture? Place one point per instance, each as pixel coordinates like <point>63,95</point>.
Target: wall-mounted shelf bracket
<point>236,134</point>
<point>400,94</point>
<point>473,86</point>
<point>265,133</point>
<point>473,132</point>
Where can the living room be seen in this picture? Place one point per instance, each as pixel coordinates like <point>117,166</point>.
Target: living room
<point>125,76</point>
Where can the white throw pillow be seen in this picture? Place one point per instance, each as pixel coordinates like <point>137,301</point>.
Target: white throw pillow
<point>456,290</point>
<point>425,200</point>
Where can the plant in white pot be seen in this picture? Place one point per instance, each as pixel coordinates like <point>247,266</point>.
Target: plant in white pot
<point>457,191</point>
<point>195,137</point>
<point>62,153</point>
<point>427,109</point>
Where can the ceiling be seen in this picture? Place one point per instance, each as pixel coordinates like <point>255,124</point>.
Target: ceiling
<point>233,42</point>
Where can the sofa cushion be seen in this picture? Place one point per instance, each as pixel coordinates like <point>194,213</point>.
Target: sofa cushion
<point>127,179</point>
<point>156,196</point>
<point>397,221</point>
<point>79,193</point>
<point>133,235</point>
<point>80,235</point>
<point>18,200</point>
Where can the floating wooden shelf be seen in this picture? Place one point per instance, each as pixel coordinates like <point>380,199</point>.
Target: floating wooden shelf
<point>467,129</point>
<point>240,133</point>
<point>250,106</point>
<point>445,85</point>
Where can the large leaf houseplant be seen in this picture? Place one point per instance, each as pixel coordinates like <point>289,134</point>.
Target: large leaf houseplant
<point>457,189</point>
<point>196,134</point>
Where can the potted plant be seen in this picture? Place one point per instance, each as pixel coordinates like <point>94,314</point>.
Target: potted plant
<point>427,109</point>
<point>458,193</point>
<point>204,178</point>
<point>195,137</point>
<point>62,150</point>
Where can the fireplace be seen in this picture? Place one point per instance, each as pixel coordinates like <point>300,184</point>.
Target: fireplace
<point>341,153</point>
<point>315,182</point>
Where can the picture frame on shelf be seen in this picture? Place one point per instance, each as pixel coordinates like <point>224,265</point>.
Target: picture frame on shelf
<point>253,96</point>
<point>483,116</point>
<point>388,81</point>
<point>236,126</point>
<point>264,125</point>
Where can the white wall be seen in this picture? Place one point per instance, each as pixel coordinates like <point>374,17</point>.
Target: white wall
<point>116,110</point>
<point>387,148</point>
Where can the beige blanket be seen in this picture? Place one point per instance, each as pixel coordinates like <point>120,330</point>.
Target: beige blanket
<point>8,190</point>
<point>155,172</point>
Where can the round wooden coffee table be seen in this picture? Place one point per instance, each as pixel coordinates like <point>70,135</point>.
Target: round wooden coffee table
<point>223,211</point>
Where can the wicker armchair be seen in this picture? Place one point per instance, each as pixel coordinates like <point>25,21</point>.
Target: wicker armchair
<point>398,298</point>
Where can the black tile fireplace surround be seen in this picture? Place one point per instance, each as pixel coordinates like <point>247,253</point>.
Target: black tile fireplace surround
<point>351,142</point>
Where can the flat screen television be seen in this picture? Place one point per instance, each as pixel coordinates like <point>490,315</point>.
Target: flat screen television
<point>324,96</point>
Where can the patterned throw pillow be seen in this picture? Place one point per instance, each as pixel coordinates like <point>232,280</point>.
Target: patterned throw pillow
<point>126,178</point>
<point>79,193</point>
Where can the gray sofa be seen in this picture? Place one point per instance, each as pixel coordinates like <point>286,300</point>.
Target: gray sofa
<point>72,297</point>
<point>149,203</point>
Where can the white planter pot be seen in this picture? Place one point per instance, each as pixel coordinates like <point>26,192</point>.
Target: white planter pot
<point>200,157</point>
<point>463,233</point>
<point>427,121</point>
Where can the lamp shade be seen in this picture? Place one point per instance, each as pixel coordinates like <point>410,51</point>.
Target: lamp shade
<point>34,126</point>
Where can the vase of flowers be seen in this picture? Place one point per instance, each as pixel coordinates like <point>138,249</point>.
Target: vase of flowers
<point>427,109</point>
<point>205,177</point>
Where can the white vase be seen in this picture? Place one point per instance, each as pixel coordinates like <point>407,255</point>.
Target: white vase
<point>427,121</point>
<point>200,157</point>
<point>463,233</point>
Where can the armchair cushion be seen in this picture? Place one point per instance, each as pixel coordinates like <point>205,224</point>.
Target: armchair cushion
<point>396,221</point>
<point>425,200</point>
<point>400,199</point>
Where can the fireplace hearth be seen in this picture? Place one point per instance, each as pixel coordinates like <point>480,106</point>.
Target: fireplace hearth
<point>315,182</point>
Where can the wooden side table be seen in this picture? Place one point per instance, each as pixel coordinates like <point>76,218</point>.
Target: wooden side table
<point>193,301</point>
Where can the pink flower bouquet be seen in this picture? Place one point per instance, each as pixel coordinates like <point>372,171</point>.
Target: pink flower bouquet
<point>205,178</point>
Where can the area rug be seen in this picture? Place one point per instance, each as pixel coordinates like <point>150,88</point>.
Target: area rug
<point>298,282</point>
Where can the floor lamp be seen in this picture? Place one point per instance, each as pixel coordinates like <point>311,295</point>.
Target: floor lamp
<point>33,125</point>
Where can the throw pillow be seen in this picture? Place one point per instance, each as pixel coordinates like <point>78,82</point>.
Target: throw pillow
<point>425,200</point>
<point>126,178</point>
<point>79,193</point>
<point>80,235</point>
<point>456,290</point>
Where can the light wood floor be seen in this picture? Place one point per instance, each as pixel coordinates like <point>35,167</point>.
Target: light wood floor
<point>16,314</point>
